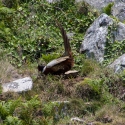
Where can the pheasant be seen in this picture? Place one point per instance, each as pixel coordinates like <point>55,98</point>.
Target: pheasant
<point>64,63</point>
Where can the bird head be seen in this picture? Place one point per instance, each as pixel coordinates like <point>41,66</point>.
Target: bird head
<point>40,67</point>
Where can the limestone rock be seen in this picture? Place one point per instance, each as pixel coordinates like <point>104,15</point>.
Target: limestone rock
<point>18,85</point>
<point>118,10</point>
<point>120,32</point>
<point>119,64</point>
<point>95,38</point>
<point>77,120</point>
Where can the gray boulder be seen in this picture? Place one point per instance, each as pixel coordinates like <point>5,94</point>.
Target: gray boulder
<point>118,10</point>
<point>119,64</point>
<point>120,32</point>
<point>95,38</point>
<point>19,85</point>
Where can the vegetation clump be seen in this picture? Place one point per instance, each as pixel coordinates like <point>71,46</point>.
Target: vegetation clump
<point>108,8</point>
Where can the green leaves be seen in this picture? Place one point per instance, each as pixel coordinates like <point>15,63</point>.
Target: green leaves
<point>8,108</point>
<point>49,57</point>
<point>113,48</point>
<point>108,8</point>
<point>16,112</point>
<point>31,27</point>
<point>11,120</point>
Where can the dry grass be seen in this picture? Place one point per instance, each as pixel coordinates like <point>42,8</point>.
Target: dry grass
<point>8,72</point>
<point>110,115</point>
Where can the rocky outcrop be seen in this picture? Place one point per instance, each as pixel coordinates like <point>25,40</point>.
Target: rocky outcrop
<point>118,10</point>
<point>95,38</point>
<point>119,64</point>
<point>120,32</point>
<point>98,4</point>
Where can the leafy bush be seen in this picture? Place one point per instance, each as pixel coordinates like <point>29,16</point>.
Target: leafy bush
<point>8,108</point>
<point>18,112</point>
<point>108,8</point>
<point>47,58</point>
<point>31,112</point>
<point>11,120</point>
<point>89,89</point>
<point>88,66</point>
<point>29,30</point>
<point>57,110</point>
<point>113,48</point>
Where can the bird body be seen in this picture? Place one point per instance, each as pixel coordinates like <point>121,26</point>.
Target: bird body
<point>62,64</point>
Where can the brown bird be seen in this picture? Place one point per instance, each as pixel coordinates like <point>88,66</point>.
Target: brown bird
<point>64,63</point>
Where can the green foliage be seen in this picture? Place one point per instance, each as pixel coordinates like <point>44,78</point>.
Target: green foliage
<point>47,58</point>
<point>89,89</point>
<point>113,48</point>
<point>108,8</point>
<point>31,112</point>
<point>11,120</point>
<point>77,106</point>
<point>112,86</point>
<point>28,30</point>
<point>88,66</point>
<point>56,110</point>
<point>7,108</point>
<point>85,66</point>
<point>16,112</point>
<point>80,107</point>
<point>49,108</point>
<point>27,110</point>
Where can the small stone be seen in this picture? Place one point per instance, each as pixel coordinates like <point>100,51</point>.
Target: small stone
<point>18,85</point>
<point>77,120</point>
<point>71,73</point>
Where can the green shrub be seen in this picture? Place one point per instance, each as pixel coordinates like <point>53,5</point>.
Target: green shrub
<point>76,106</point>
<point>88,66</point>
<point>112,83</point>
<point>56,110</point>
<point>85,66</point>
<point>49,57</point>
<point>89,89</point>
<point>108,8</point>
<point>30,30</point>
<point>7,108</point>
<point>11,120</point>
<point>20,113</point>
<point>82,108</point>
<point>113,48</point>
